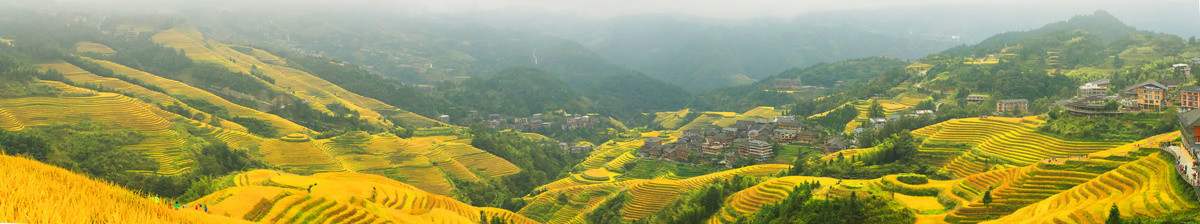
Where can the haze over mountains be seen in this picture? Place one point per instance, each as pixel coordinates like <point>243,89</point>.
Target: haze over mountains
<point>696,48</point>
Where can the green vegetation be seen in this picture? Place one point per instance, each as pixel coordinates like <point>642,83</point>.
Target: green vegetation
<point>1125,127</point>
<point>96,149</point>
<point>1114,216</point>
<point>893,155</point>
<point>801,207</point>
<point>256,126</point>
<point>914,179</point>
<point>746,97</point>
<point>518,92</point>
<point>837,118</point>
<point>650,169</point>
<point>609,211</point>
<point>541,162</point>
<point>358,80</point>
<point>636,93</point>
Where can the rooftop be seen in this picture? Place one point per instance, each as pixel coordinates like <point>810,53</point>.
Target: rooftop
<point>1098,82</point>
<point>1014,101</point>
<point>1147,84</point>
<point>1186,121</point>
<point>1190,89</point>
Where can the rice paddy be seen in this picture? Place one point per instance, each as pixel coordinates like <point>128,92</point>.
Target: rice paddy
<point>176,88</point>
<point>48,194</point>
<point>89,47</point>
<point>984,143</point>
<point>271,196</point>
<point>292,81</point>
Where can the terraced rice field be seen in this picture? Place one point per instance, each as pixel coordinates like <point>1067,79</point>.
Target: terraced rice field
<point>619,162</point>
<point>701,122</point>
<point>919,203</point>
<point>863,107</point>
<point>192,42</point>
<point>79,75</point>
<point>424,162</point>
<point>1007,142</point>
<point>755,170</point>
<point>573,213</point>
<point>162,144</point>
<point>233,138</point>
<point>671,119</point>
<point>910,101</point>
<point>845,154</point>
<point>649,197</point>
<point>756,114</point>
<point>90,47</point>
<point>286,79</point>
<point>48,194</point>
<point>10,123</point>
<point>1014,188</point>
<point>1147,187</point>
<point>176,88</point>
<point>754,198</point>
<point>822,114</point>
<point>764,112</point>
<point>298,157</point>
<point>606,153</point>
<point>270,196</point>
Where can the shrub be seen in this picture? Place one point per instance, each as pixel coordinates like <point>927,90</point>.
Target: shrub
<point>914,179</point>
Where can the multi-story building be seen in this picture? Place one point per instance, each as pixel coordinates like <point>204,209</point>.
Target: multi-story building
<point>1189,97</point>
<point>1094,88</point>
<point>1189,128</point>
<point>975,98</point>
<point>755,149</point>
<point>1150,94</point>
<point>1020,105</point>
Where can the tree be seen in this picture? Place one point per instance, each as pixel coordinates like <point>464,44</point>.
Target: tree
<point>1196,75</point>
<point>1117,62</point>
<point>875,111</point>
<point>1111,105</point>
<point>1114,215</point>
<point>987,197</point>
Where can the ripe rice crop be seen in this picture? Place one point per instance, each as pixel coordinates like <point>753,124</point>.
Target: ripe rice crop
<point>47,194</point>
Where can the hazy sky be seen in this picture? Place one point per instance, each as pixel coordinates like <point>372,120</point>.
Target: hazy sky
<point>1180,17</point>
<point>723,9</point>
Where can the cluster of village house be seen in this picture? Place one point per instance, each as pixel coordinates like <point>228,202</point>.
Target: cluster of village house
<point>1092,96</point>
<point>525,124</point>
<point>1148,95</point>
<point>745,139</point>
<point>796,84</point>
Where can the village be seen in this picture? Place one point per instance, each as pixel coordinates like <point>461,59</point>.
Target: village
<point>754,140</point>
<point>538,121</point>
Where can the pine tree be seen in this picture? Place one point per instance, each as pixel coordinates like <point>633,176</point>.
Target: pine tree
<point>987,197</point>
<point>1114,216</point>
